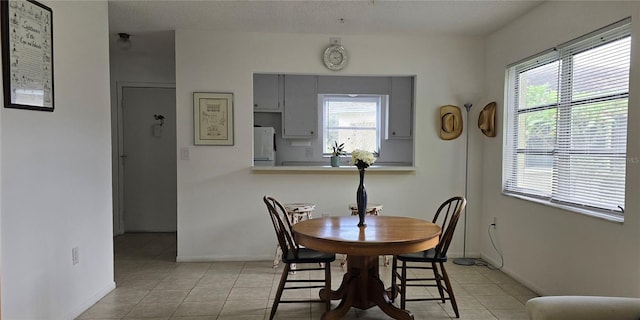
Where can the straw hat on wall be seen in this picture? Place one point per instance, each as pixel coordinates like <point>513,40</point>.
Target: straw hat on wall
<point>487,120</point>
<point>450,122</point>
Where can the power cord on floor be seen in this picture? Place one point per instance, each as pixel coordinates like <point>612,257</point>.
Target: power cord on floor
<point>495,248</point>
<point>482,262</point>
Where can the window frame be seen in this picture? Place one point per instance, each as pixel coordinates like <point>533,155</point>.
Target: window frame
<point>563,55</point>
<point>380,99</point>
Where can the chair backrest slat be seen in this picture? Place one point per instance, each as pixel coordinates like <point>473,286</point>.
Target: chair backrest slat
<point>282,226</point>
<point>447,217</point>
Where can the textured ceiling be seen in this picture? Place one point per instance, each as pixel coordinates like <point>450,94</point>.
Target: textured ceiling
<point>445,18</point>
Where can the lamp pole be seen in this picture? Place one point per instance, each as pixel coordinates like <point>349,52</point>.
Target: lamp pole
<point>464,261</point>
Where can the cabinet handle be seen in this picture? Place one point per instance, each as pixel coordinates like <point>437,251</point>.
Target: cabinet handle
<point>255,105</point>
<point>311,132</point>
<point>393,133</point>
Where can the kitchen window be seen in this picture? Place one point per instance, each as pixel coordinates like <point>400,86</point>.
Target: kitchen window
<point>566,126</point>
<point>353,120</point>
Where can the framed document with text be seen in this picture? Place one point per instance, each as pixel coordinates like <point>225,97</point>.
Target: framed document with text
<point>27,55</point>
<point>213,118</point>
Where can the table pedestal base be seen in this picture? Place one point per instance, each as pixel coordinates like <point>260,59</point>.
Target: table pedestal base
<point>362,288</point>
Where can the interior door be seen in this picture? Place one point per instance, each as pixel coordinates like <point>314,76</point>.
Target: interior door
<point>149,159</point>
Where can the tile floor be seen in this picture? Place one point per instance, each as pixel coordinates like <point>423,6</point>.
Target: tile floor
<point>151,285</point>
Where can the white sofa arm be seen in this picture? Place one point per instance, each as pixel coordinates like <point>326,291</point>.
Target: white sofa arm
<point>583,308</point>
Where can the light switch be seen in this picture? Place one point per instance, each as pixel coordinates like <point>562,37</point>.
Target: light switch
<point>184,153</point>
<point>157,130</point>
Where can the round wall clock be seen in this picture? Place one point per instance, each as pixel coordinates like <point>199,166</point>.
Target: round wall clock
<point>335,57</point>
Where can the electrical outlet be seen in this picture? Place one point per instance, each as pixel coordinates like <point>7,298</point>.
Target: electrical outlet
<point>495,222</point>
<point>75,255</point>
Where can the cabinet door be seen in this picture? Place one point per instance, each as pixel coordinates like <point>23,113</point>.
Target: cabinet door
<point>353,85</point>
<point>300,107</point>
<point>400,109</point>
<point>267,91</point>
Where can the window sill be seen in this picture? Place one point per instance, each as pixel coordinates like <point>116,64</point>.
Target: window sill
<point>594,214</point>
<point>329,169</point>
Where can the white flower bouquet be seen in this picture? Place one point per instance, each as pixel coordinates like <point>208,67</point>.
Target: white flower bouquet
<point>362,159</point>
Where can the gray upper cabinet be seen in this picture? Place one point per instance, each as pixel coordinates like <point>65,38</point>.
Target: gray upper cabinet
<point>353,85</point>
<point>400,108</point>
<point>300,115</point>
<point>267,92</point>
<point>296,97</point>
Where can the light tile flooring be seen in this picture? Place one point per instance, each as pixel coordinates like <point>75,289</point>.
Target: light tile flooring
<point>151,285</point>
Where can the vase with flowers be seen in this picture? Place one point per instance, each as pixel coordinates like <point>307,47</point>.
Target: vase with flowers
<point>338,150</point>
<point>362,159</point>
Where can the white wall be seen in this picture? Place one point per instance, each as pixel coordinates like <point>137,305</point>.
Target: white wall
<point>220,210</point>
<point>56,179</point>
<point>556,251</point>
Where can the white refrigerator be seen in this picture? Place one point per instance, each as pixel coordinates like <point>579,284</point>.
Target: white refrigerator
<point>264,148</point>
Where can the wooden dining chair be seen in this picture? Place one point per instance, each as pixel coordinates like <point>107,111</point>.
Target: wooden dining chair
<point>433,259</point>
<point>292,253</point>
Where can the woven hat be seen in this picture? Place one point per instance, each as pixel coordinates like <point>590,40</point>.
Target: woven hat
<point>450,122</point>
<point>487,119</point>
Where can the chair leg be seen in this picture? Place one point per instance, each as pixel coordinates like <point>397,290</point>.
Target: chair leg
<point>403,286</point>
<point>452,297</point>
<point>394,264</point>
<point>327,285</point>
<point>276,300</point>
<point>438,278</point>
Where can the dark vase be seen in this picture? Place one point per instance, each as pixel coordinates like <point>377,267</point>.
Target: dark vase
<point>361,199</point>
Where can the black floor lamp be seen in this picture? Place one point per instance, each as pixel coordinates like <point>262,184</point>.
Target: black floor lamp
<point>464,261</point>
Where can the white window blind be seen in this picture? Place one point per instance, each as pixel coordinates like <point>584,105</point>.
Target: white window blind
<point>567,123</point>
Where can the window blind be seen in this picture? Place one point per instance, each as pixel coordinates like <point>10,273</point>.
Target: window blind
<point>567,114</point>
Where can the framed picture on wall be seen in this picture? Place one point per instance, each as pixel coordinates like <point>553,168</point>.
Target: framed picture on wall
<point>213,118</point>
<point>27,55</point>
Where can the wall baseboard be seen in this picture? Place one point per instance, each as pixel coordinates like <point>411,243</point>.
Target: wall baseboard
<point>511,273</point>
<point>222,258</point>
<point>77,311</point>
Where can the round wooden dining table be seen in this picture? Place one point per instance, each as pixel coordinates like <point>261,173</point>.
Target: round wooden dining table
<point>361,286</point>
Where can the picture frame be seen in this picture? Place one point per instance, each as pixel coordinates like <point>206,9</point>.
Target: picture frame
<point>26,33</point>
<point>213,119</point>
